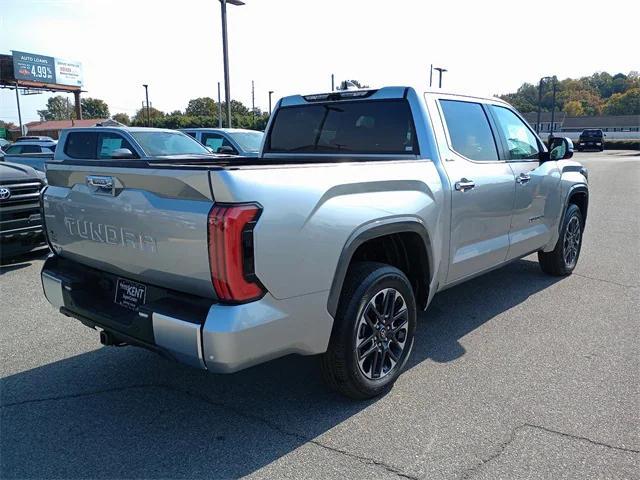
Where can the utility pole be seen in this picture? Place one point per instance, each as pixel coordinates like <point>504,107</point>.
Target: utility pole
<point>553,105</point>
<point>76,95</point>
<point>225,55</point>
<point>270,93</point>
<point>540,102</point>
<point>539,105</point>
<point>333,83</point>
<point>253,104</point>
<point>146,92</point>
<point>219,108</point>
<point>19,112</point>
<point>440,71</point>
<point>431,76</point>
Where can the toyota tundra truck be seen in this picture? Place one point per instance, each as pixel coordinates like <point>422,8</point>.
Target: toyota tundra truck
<point>360,207</point>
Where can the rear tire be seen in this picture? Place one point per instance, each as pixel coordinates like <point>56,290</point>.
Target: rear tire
<point>562,260</point>
<point>373,331</point>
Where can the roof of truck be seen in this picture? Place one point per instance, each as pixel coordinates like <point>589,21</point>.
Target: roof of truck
<point>396,91</point>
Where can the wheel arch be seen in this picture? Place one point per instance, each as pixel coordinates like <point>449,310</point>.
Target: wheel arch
<point>578,195</point>
<point>397,232</point>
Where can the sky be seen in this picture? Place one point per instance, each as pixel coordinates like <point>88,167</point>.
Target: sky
<point>293,46</point>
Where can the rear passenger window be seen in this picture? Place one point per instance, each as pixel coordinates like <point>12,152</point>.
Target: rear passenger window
<point>81,145</point>
<point>469,130</point>
<point>31,149</point>
<point>108,142</point>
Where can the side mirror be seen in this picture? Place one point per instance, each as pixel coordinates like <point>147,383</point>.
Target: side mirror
<point>122,153</point>
<point>561,148</point>
<point>226,149</point>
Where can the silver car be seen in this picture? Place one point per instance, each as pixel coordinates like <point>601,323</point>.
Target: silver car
<point>229,141</point>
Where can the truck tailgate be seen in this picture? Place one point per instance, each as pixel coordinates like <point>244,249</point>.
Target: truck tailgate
<point>145,224</point>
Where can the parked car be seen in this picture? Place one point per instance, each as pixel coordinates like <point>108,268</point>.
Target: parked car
<point>592,138</point>
<point>113,143</point>
<point>4,143</point>
<point>32,154</point>
<point>230,141</point>
<point>361,206</point>
<point>23,147</point>
<point>35,138</point>
<point>20,215</point>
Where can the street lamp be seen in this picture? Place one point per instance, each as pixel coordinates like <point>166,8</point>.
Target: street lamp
<point>146,93</point>
<point>440,71</point>
<point>270,93</point>
<point>225,54</point>
<point>543,79</point>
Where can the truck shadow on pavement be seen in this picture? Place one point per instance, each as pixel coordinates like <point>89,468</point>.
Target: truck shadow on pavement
<point>128,413</point>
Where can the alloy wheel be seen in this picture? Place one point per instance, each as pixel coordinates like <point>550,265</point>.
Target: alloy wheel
<point>572,238</point>
<point>381,334</point>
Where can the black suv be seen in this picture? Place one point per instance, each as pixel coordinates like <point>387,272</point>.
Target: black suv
<point>592,138</point>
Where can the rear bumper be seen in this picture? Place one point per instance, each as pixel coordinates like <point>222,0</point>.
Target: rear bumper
<point>219,338</point>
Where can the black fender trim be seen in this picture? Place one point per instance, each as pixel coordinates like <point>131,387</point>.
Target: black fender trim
<point>352,244</point>
<point>579,188</point>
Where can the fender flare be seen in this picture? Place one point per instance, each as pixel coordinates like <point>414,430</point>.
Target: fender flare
<point>577,188</point>
<point>361,236</point>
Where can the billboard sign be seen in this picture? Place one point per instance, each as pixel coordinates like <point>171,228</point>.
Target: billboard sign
<point>42,69</point>
<point>68,72</point>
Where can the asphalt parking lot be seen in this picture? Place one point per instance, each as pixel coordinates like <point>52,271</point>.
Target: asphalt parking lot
<point>514,375</point>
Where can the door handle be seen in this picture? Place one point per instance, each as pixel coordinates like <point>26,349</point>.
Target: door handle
<point>523,178</point>
<point>100,181</point>
<point>464,184</point>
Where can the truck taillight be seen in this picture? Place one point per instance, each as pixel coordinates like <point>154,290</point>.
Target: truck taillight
<point>230,232</point>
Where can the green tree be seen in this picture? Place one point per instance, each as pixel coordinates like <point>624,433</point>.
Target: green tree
<point>140,118</point>
<point>123,118</point>
<point>627,103</point>
<point>203,106</point>
<point>58,108</point>
<point>94,108</point>
<point>345,83</point>
<point>573,108</point>
<point>525,99</point>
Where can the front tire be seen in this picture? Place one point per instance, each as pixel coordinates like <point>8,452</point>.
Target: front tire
<point>373,331</point>
<point>562,260</point>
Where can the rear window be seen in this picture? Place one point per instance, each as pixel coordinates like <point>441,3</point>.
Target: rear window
<point>360,127</point>
<point>592,133</point>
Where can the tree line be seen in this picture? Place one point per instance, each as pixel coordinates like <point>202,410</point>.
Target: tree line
<point>598,94</point>
<point>200,112</point>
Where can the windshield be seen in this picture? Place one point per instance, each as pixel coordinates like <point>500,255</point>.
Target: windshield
<point>248,141</point>
<point>158,144</point>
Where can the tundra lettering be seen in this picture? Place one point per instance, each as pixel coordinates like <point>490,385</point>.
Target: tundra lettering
<point>109,234</point>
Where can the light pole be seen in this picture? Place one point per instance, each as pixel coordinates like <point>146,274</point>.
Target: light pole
<point>225,54</point>
<point>333,83</point>
<point>219,108</point>
<point>146,93</point>
<point>540,102</point>
<point>440,71</point>
<point>270,93</point>
<point>431,76</point>
<point>553,108</point>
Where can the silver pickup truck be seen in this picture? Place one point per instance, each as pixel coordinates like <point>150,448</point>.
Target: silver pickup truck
<point>361,206</point>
